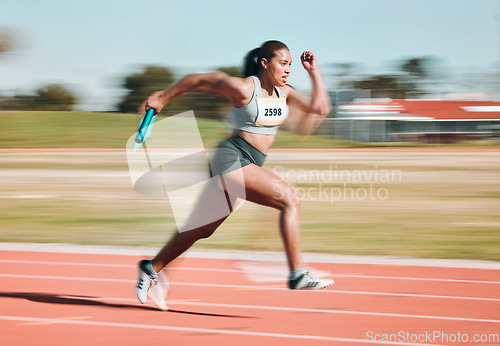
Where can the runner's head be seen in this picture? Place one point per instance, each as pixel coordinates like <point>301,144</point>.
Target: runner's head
<point>272,58</point>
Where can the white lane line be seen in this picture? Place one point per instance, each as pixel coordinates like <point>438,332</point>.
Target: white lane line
<point>481,108</point>
<point>71,278</point>
<point>48,323</point>
<point>415,279</point>
<point>69,263</point>
<point>300,309</point>
<point>241,271</point>
<point>279,308</point>
<point>252,255</point>
<point>114,265</point>
<point>196,330</point>
<point>345,312</point>
<point>246,287</point>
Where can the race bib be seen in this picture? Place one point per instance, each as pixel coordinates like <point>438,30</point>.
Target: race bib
<point>271,111</point>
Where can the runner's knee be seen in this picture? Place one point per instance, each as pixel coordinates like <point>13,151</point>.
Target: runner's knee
<point>294,201</point>
<point>289,198</point>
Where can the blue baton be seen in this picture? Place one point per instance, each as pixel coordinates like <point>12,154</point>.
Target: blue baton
<point>143,132</point>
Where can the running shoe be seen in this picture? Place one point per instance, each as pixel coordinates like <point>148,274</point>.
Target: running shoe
<point>152,284</point>
<point>304,280</point>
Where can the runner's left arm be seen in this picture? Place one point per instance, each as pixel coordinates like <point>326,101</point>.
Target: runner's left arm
<point>316,107</point>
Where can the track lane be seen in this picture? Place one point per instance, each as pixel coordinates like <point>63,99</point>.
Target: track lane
<point>233,310</point>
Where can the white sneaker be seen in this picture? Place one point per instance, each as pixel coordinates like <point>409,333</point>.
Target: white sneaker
<point>152,284</point>
<point>158,292</point>
<point>306,281</point>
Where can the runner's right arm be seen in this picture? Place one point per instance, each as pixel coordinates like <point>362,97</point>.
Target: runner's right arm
<point>237,89</point>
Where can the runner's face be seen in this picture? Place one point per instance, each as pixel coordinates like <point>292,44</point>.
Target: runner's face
<point>279,67</point>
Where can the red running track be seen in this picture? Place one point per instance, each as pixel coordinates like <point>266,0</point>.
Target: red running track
<point>50,298</point>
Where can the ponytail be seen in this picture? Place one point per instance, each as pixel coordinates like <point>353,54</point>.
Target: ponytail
<point>251,63</point>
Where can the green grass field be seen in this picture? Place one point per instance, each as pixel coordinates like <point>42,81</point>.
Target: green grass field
<point>22,129</point>
<point>107,130</point>
<point>423,204</point>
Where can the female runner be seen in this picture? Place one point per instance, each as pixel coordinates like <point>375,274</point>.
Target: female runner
<point>260,102</point>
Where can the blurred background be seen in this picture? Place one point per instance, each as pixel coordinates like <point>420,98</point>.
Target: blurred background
<point>420,76</point>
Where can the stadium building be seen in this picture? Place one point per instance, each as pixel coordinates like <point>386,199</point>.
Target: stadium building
<point>409,120</point>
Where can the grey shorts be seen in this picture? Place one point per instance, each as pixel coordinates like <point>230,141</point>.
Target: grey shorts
<point>234,153</point>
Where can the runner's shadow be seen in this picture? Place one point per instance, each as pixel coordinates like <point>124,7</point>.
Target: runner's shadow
<point>69,300</point>
<point>90,301</point>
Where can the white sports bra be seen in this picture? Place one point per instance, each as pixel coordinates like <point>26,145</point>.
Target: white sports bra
<point>261,115</point>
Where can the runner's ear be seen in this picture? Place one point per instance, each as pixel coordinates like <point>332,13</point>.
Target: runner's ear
<point>263,62</point>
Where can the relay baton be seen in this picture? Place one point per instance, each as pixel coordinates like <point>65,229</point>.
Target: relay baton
<point>144,126</point>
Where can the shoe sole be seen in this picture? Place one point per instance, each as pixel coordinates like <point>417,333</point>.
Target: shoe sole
<point>315,288</point>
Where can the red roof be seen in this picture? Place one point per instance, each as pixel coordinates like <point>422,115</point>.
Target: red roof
<point>428,109</point>
<point>451,110</point>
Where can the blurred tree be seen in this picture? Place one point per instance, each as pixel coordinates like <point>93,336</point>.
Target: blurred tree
<point>154,78</point>
<point>344,74</point>
<point>141,85</point>
<point>233,71</point>
<point>385,86</point>
<point>54,97</point>
<point>18,103</point>
<point>419,74</point>
<point>5,41</point>
<point>416,67</point>
<point>209,105</point>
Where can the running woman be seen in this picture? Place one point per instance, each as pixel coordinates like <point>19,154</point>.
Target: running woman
<point>260,102</point>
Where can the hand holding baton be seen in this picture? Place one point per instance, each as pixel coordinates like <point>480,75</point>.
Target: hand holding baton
<point>143,132</point>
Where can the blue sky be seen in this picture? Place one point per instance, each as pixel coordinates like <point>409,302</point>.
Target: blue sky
<point>91,45</point>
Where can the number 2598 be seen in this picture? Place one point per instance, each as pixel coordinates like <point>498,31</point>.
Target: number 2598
<point>272,112</point>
